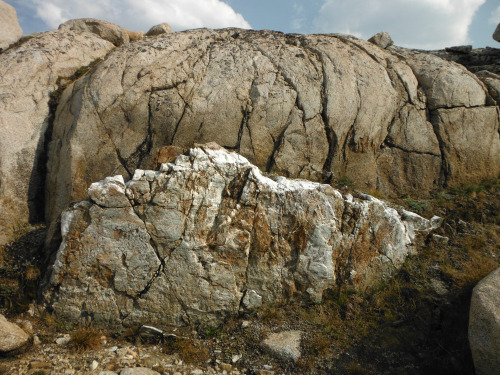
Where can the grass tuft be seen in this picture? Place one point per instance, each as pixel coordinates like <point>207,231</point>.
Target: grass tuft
<point>84,338</point>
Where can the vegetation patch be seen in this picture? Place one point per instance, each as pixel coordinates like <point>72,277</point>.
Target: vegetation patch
<point>85,338</point>
<point>20,268</point>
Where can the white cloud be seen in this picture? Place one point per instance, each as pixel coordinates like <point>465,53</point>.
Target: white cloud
<point>495,16</point>
<point>51,13</point>
<point>427,24</point>
<point>298,17</point>
<point>141,14</point>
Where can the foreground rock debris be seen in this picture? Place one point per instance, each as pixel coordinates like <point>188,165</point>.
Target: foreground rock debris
<point>113,358</point>
<point>484,325</point>
<point>209,236</point>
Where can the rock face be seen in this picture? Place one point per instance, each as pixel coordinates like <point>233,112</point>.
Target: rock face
<point>105,30</point>
<point>484,325</point>
<point>496,33</point>
<point>492,82</point>
<point>208,236</point>
<point>162,28</point>
<point>10,31</point>
<point>28,75</point>
<point>310,106</point>
<point>11,336</point>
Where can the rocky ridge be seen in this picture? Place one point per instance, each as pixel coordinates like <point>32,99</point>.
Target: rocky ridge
<point>321,107</point>
<point>209,236</point>
<point>311,106</point>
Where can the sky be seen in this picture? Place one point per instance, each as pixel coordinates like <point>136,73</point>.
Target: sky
<point>424,24</point>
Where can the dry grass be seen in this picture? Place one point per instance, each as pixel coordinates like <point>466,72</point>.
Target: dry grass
<point>191,351</point>
<point>134,35</point>
<point>84,338</point>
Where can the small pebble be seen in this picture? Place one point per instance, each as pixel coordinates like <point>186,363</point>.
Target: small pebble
<point>64,340</point>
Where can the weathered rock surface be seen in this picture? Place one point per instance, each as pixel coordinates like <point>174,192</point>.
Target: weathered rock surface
<point>469,139</point>
<point>28,74</point>
<point>484,325</point>
<point>12,337</point>
<point>496,33</point>
<point>10,31</point>
<point>308,106</point>
<point>209,235</point>
<point>162,28</point>
<point>382,39</point>
<point>284,345</point>
<point>105,30</point>
<point>492,82</point>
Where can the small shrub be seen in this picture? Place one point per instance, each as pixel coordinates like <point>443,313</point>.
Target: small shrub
<point>84,338</point>
<point>135,35</point>
<point>376,193</point>
<point>417,206</point>
<point>191,351</point>
<point>345,181</point>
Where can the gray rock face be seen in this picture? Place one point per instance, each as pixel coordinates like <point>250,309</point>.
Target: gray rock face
<point>11,336</point>
<point>28,74</point>
<point>496,33</point>
<point>162,28</point>
<point>304,106</point>
<point>459,49</point>
<point>382,39</point>
<point>284,345</point>
<point>209,235</point>
<point>10,31</point>
<point>484,325</point>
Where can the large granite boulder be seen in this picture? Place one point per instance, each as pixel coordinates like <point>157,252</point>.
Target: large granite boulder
<point>162,28</point>
<point>484,325</point>
<point>29,74</point>
<point>382,39</point>
<point>10,31</point>
<point>309,106</point>
<point>209,236</point>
